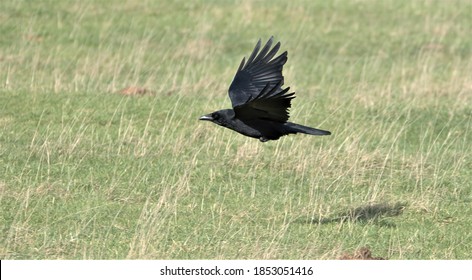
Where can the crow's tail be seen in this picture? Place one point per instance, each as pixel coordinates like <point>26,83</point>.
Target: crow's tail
<point>298,128</point>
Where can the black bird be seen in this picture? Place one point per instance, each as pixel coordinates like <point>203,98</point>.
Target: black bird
<point>260,104</point>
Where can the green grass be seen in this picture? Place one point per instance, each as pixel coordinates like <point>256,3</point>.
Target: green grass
<point>87,173</point>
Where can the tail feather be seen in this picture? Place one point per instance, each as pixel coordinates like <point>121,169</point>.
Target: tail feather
<point>298,128</point>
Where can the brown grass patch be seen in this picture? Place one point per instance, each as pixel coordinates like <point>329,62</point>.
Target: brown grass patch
<point>363,253</point>
<point>135,90</point>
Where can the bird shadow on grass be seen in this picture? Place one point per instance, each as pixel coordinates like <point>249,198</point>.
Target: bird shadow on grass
<point>373,213</point>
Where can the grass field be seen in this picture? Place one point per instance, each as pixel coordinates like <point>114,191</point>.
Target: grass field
<point>88,173</point>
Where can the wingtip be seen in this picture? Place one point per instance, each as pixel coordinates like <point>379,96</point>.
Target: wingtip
<point>269,43</point>
<point>259,43</point>
<point>241,66</point>
<point>254,52</point>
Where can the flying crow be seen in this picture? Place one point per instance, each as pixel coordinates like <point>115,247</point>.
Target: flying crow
<point>260,104</point>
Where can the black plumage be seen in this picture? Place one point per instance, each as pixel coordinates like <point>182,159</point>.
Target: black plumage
<point>260,104</point>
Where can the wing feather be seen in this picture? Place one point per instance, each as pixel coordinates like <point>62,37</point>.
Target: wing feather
<point>254,52</point>
<point>260,70</point>
<point>270,104</point>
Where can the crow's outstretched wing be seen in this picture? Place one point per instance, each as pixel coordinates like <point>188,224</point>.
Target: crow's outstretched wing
<point>256,73</point>
<point>270,104</point>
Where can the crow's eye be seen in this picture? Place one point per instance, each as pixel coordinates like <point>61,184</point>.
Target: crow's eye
<point>215,116</point>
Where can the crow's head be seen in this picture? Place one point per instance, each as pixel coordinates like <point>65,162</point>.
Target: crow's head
<point>221,117</point>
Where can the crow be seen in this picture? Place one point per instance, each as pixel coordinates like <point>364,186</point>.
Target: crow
<point>260,104</point>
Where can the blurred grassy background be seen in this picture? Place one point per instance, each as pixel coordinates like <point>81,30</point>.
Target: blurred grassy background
<point>87,173</point>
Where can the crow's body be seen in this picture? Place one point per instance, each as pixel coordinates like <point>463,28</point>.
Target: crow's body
<point>260,104</point>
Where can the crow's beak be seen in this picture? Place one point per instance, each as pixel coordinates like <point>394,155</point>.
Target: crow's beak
<point>206,118</point>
